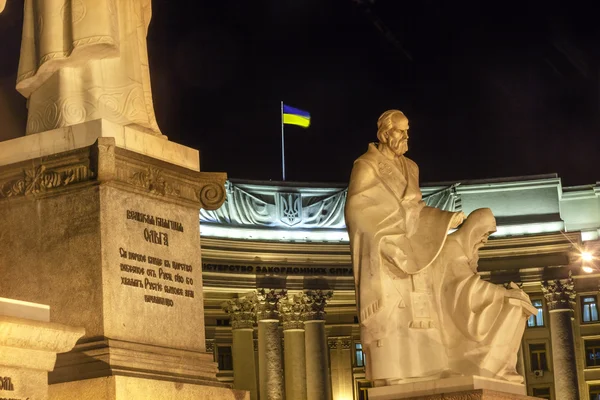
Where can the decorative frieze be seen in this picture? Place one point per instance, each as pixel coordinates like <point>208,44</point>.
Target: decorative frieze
<point>268,299</point>
<point>315,301</point>
<point>560,294</point>
<point>242,311</point>
<point>41,179</point>
<point>153,180</point>
<point>104,162</point>
<point>344,343</point>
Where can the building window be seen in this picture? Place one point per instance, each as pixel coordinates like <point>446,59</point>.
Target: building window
<point>537,319</point>
<point>592,353</point>
<point>225,359</point>
<point>542,393</point>
<point>537,354</point>
<point>222,322</point>
<point>359,356</point>
<point>595,392</point>
<point>589,308</point>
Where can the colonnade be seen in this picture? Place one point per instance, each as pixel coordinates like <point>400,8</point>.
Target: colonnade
<point>305,375</point>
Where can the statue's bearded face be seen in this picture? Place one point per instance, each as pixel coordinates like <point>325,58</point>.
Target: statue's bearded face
<point>397,136</point>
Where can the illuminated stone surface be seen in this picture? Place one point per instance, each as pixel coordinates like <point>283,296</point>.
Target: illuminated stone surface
<point>134,388</point>
<point>109,239</point>
<point>424,312</point>
<point>458,388</point>
<point>84,60</point>
<point>28,348</point>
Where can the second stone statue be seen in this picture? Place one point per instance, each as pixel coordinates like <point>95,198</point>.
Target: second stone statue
<point>424,312</point>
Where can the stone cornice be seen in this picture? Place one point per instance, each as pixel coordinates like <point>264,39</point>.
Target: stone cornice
<point>105,163</point>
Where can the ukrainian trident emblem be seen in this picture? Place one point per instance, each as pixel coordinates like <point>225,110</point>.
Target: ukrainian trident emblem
<point>289,208</point>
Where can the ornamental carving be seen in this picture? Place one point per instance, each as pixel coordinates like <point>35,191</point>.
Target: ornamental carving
<point>242,311</point>
<point>39,180</point>
<point>332,344</point>
<point>210,345</point>
<point>309,208</point>
<point>293,311</point>
<point>268,299</point>
<point>560,294</point>
<point>346,343</point>
<point>211,195</point>
<point>153,180</point>
<point>315,301</point>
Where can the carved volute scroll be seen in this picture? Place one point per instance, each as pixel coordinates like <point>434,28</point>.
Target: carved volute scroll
<point>212,191</point>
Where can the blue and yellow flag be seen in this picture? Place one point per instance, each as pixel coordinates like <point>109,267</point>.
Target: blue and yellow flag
<point>294,116</point>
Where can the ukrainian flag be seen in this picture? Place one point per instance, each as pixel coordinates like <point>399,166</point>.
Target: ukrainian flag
<point>294,116</point>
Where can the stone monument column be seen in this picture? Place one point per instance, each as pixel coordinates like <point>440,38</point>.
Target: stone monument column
<point>270,366</point>
<point>560,297</point>
<point>318,382</point>
<point>292,311</point>
<point>243,312</point>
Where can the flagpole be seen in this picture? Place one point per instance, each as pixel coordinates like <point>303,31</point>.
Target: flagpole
<point>282,144</point>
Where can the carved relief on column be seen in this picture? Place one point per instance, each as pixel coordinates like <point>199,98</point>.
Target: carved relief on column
<point>315,301</point>
<point>559,294</point>
<point>242,311</point>
<point>292,310</point>
<point>267,303</point>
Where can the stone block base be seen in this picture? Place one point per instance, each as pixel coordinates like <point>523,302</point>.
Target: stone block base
<point>481,394</point>
<point>456,388</point>
<point>131,388</point>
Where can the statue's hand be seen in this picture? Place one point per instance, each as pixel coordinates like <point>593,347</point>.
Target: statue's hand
<point>457,219</point>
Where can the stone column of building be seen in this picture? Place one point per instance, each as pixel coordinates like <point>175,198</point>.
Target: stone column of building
<point>560,297</point>
<point>318,381</point>
<point>270,367</point>
<point>292,311</point>
<point>242,312</point>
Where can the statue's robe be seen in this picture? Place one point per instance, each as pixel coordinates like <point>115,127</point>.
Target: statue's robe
<point>86,59</point>
<point>394,238</point>
<point>481,327</point>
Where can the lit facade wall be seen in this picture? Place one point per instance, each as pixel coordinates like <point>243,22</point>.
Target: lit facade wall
<point>292,236</point>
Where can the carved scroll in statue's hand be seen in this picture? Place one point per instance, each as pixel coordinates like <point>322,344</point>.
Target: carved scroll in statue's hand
<point>457,219</point>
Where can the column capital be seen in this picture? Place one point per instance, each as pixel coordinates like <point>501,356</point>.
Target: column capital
<point>242,311</point>
<point>292,310</point>
<point>559,294</point>
<point>315,301</point>
<point>267,305</point>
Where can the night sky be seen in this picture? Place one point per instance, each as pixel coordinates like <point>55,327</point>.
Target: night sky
<point>492,89</point>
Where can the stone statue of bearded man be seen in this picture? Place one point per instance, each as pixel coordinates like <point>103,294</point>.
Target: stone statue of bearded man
<point>394,237</point>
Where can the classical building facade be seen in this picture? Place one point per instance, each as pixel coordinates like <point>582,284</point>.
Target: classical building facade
<point>279,287</point>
